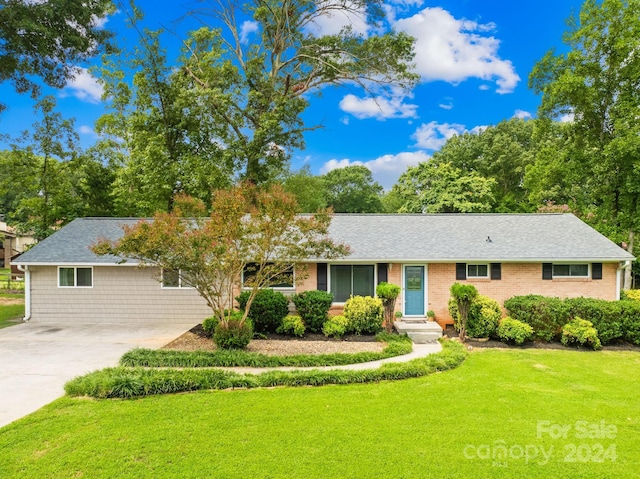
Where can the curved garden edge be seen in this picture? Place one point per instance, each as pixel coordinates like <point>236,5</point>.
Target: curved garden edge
<point>396,346</point>
<point>122,382</point>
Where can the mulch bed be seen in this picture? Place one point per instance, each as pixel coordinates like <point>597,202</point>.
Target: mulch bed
<point>196,340</point>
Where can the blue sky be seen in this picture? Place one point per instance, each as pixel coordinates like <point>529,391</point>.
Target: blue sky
<point>473,58</point>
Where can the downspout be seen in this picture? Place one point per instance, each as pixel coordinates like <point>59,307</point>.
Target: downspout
<point>27,291</point>
<point>622,267</point>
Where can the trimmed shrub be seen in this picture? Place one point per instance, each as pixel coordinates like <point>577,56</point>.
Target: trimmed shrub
<point>291,325</point>
<point>580,331</point>
<point>606,316</point>
<point>514,332</point>
<point>546,315</point>
<point>335,326</point>
<point>267,310</point>
<point>630,294</point>
<point>388,293</point>
<point>630,314</point>
<point>365,314</point>
<point>483,319</point>
<point>233,334</point>
<point>313,308</point>
<point>209,325</point>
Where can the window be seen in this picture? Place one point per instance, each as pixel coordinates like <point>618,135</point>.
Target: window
<point>351,280</point>
<point>282,281</point>
<point>75,277</point>
<point>571,270</point>
<point>477,270</point>
<point>172,279</point>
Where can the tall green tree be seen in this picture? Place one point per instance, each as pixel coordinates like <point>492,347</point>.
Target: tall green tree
<point>352,189</point>
<point>48,39</point>
<point>157,132</point>
<point>597,84</point>
<point>432,187</point>
<point>230,107</point>
<point>308,189</point>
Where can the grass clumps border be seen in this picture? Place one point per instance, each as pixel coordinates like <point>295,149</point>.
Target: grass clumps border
<point>122,382</point>
<point>164,358</point>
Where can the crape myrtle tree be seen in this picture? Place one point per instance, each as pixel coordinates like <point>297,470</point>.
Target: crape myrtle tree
<point>597,85</point>
<point>48,39</point>
<point>232,103</point>
<point>247,226</point>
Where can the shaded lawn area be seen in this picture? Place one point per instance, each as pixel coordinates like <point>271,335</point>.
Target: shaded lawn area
<point>10,311</point>
<point>437,426</point>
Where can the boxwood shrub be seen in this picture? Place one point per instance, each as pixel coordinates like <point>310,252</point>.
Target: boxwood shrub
<point>313,307</point>
<point>484,316</point>
<point>513,331</point>
<point>546,315</point>
<point>580,331</point>
<point>364,314</point>
<point>267,310</point>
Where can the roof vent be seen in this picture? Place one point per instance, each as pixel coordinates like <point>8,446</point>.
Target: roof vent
<point>488,240</point>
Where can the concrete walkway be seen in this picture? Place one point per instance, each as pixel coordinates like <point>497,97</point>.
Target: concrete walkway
<point>37,359</point>
<point>419,351</point>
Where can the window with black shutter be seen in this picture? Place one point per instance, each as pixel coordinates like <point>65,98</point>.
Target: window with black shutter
<point>496,271</point>
<point>547,270</point>
<point>382,273</point>
<point>322,277</point>
<point>461,271</point>
<point>596,270</point>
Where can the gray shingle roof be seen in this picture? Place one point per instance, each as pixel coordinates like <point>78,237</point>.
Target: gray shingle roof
<point>388,238</point>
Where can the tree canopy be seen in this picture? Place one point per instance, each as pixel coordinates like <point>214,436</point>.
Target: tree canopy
<point>48,40</point>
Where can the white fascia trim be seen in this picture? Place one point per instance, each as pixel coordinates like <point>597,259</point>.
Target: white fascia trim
<point>77,264</point>
<point>27,291</point>
<point>470,260</point>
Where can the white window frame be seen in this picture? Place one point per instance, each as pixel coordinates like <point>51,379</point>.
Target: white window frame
<point>180,285</point>
<point>487,276</point>
<point>330,280</point>
<point>276,288</point>
<point>75,276</point>
<point>554,275</point>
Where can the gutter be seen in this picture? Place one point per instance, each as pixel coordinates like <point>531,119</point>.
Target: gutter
<point>27,291</point>
<point>619,272</point>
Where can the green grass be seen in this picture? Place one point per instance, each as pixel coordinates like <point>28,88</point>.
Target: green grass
<point>10,311</point>
<point>7,283</point>
<point>416,428</point>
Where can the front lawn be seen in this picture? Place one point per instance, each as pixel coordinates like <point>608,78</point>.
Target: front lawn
<point>554,413</point>
<point>11,308</point>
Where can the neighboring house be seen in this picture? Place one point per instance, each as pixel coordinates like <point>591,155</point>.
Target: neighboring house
<point>12,244</point>
<point>503,255</point>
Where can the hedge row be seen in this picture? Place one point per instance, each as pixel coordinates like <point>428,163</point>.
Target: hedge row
<point>397,345</point>
<point>547,315</point>
<point>122,382</point>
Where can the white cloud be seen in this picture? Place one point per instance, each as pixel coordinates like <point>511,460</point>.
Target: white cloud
<point>385,169</point>
<point>336,20</point>
<point>84,87</point>
<point>567,118</point>
<point>484,87</point>
<point>478,129</point>
<point>446,106</point>
<point>432,135</point>
<point>454,50</point>
<point>247,28</point>
<point>379,107</point>
<point>86,130</point>
<point>100,22</point>
<point>522,114</point>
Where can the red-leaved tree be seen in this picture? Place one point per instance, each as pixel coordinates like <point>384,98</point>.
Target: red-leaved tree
<point>247,226</point>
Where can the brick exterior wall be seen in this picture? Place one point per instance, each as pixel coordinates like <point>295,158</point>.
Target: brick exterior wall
<point>517,279</point>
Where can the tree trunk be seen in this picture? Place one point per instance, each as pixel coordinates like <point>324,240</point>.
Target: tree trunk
<point>627,269</point>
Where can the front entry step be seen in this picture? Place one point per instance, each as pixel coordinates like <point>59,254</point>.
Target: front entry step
<point>419,331</point>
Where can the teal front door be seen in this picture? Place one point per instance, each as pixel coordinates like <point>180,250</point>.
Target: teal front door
<point>414,290</point>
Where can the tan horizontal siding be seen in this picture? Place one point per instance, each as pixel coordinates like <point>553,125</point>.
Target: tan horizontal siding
<point>121,294</point>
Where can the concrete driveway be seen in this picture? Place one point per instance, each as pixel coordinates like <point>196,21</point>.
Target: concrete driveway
<point>36,359</point>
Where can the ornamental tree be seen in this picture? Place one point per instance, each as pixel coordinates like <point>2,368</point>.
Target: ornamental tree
<point>247,226</point>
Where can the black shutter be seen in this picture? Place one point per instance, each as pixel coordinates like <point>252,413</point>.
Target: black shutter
<point>382,272</point>
<point>596,270</point>
<point>322,277</point>
<point>496,270</point>
<point>547,270</point>
<point>461,270</point>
